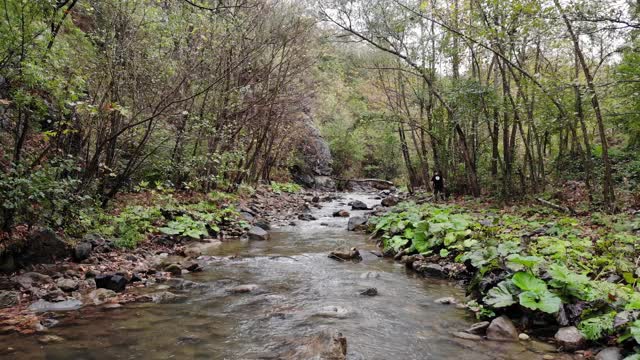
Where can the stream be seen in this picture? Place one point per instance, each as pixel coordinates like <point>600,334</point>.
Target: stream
<point>296,293</point>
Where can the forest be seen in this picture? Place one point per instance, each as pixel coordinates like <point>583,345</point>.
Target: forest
<point>133,120</point>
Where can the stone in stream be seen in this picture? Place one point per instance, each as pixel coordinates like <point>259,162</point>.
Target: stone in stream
<point>113,282</point>
<point>479,328</point>
<point>341,213</point>
<point>502,329</point>
<point>467,336</point>
<point>101,296</point>
<point>570,338</point>
<point>306,217</point>
<point>67,285</point>
<point>258,233</point>
<point>390,201</point>
<point>48,339</point>
<point>610,353</point>
<point>356,222</point>
<point>243,289</point>
<point>352,254</point>
<point>369,292</point>
<point>45,306</point>
<point>446,301</point>
<point>166,297</point>
<point>358,205</point>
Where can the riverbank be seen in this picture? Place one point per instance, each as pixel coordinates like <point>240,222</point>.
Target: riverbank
<point>568,280</point>
<point>149,238</point>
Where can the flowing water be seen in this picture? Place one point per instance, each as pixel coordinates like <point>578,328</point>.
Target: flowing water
<point>300,292</point>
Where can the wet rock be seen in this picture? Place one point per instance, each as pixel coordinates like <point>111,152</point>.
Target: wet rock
<point>197,248</point>
<point>263,224</point>
<point>390,201</point>
<point>82,251</point>
<point>432,269</point>
<point>33,279</point>
<point>341,213</point>
<point>258,233</point>
<point>173,269</point>
<point>570,338</point>
<point>356,223</point>
<point>306,217</point>
<point>323,346</point>
<point>478,328</point>
<point>332,312</point>
<point>446,301</point>
<point>166,297</point>
<point>49,339</point>
<point>244,289</point>
<point>315,199</point>
<point>351,254</point>
<point>182,284</point>
<point>369,292</point>
<point>9,298</point>
<point>358,205</point>
<point>45,306</point>
<point>54,295</point>
<point>610,353</point>
<point>192,267</point>
<point>113,282</point>
<point>467,336</point>
<point>370,275</point>
<point>502,329</point>
<point>43,247</point>
<point>247,217</point>
<point>624,317</point>
<point>67,285</point>
<point>101,296</point>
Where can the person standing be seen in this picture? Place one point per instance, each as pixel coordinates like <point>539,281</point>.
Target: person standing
<point>438,185</point>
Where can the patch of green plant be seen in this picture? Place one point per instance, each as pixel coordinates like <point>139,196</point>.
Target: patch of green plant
<point>290,188</point>
<point>133,224</point>
<point>185,226</point>
<point>546,260</point>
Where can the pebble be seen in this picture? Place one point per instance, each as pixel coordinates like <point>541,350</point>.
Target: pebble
<point>548,357</point>
<point>523,337</point>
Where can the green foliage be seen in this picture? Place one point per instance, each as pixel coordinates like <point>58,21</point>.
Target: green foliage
<point>596,327</point>
<point>554,267</point>
<point>185,226</point>
<point>290,188</point>
<point>133,224</point>
<point>48,196</point>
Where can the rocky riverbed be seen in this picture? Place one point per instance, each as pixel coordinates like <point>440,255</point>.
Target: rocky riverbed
<point>280,297</point>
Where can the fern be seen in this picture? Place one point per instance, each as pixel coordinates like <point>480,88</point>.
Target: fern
<point>596,327</point>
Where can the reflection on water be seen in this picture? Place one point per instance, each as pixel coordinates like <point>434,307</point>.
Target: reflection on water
<point>299,292</point>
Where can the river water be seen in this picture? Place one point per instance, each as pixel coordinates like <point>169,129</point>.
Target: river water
<point>299,293</point>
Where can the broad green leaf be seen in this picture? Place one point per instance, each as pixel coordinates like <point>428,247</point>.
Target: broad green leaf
<point>528,282</point>
<point>499,296</point>
<point>543,300</point>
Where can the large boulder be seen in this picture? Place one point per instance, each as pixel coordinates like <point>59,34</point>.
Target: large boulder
<point>258,233</point>
<point>112,282</point>
<point>356,223</point>
<point>570,338</point>
<point>502,329</point>
<point>82,251</point>
<point>610,353</point>
<point>390,201</point>
<point>315,167</point>
<point>43,246</point>
<point>358,205</point>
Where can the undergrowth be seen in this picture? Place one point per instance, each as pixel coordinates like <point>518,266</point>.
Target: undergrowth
<point>545,262</point>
